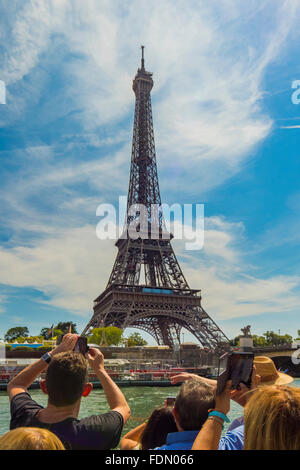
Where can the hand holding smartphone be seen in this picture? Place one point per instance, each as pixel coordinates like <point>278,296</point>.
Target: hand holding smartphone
<point>238,369</point>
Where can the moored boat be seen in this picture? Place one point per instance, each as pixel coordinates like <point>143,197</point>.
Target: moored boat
<point>118,371</point>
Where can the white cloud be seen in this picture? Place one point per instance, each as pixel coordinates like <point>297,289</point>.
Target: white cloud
<point>242,296</point>
<point>73,267</point>
<point>208,65</point>
<point>209,60</point>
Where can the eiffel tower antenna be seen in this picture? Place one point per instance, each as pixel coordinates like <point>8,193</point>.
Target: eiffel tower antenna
<point>143,60</point>
<point>147,288</point>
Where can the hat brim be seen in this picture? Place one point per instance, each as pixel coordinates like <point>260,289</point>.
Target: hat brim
<point>283,379</point>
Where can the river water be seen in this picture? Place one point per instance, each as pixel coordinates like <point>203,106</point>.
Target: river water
<point>142,400</point>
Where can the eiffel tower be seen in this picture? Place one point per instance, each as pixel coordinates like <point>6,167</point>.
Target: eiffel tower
<point>147,289</point>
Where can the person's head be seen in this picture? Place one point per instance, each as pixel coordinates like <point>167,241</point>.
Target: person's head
<point>30,439</point>
<point>66,379</point>
<point>272,419</point>
<point>160,424</point>
<point>192,403</point>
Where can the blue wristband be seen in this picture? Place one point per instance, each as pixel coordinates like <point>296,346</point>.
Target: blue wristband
<point>219,414</point>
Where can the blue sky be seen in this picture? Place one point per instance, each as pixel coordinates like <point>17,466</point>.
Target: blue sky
<point>226,135</point>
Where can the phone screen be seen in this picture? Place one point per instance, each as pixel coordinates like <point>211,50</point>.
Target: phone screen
<point>81,345</point>
<point>238,368</point>
<point>241,369</point>
<point>170,401</point>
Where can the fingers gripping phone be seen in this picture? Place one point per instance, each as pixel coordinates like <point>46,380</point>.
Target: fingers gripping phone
<point>81,345</point>
<point>239,366</point>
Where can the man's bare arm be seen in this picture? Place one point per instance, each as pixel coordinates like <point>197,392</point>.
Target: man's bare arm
<point>115,398</point>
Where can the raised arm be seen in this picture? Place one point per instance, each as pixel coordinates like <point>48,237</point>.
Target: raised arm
<point>114,396</point>
<point>132,438</point>
<point>210,433</point>
<point>183,376</point>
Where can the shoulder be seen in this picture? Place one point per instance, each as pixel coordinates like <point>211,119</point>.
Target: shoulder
<point>103,431</point>
<point>236,423</point>
<point>233,440</point>
<point>22,407</point>
<point>24,400</point>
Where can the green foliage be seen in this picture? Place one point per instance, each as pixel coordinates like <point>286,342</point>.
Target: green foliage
<point>268,339</point>
<point>106,336</point>
<point>43,349</point>
<point>59,330</point>
<point>13,333</point>
<point>23,348</point>
<point>64,327</point>
<point>260,341</point>
<point>235,342</point>
<point>135,339</point>
<point>276,340</point>
<point>20,339</point>
<point>8,347</point>
<point>35,339</point>
<point>29,339</point>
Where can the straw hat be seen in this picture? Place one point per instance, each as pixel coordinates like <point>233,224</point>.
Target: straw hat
<point>266,368</point>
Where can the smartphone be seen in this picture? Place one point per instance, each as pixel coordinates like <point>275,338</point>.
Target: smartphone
<point>170,401</point>
<point>81,345</point>
<point>239,366</point>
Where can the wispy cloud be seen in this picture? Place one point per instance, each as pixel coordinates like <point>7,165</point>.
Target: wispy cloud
<point>208,72</point>
<point>68,67</point>
<point>71,268</point>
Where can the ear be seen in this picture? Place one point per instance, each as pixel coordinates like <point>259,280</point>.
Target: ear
<point>87,389</point>
<point>43,386</point>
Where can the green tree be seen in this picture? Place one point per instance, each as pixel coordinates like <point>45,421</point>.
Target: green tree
<point>259,341</point>
<point>34,339</point>
<point>56,332</point>
<point>64,327</point>
<point>110,335</point>
<point>235,342</point>
<point>20,339</point>
<point>13,333</point>
<point>276,340</point>
<point>135,339</point>
<point>44,332</point>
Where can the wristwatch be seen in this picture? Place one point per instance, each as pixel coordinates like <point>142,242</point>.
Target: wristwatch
<point>46,357</point>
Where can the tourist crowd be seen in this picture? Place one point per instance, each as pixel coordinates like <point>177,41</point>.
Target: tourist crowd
<point>270,417</point>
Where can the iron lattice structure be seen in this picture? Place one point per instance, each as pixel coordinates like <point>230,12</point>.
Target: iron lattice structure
<point>146,288</point>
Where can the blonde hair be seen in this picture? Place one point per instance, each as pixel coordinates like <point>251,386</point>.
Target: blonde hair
<point>272,419</point>
<point>30,439</point>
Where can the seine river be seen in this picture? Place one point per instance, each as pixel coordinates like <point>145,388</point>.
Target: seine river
<point>142,400</point>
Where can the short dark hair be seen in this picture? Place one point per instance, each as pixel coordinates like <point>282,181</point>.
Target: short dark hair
<point>66,377</point>
<point>160,424</point>
<point>192,403</point>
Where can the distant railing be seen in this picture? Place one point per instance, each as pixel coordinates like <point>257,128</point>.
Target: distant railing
<point>279,347</point>
<point>149,290</point>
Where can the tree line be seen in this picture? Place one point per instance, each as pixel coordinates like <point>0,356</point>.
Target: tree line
<point>269,338</point>
<point>103,336</point>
